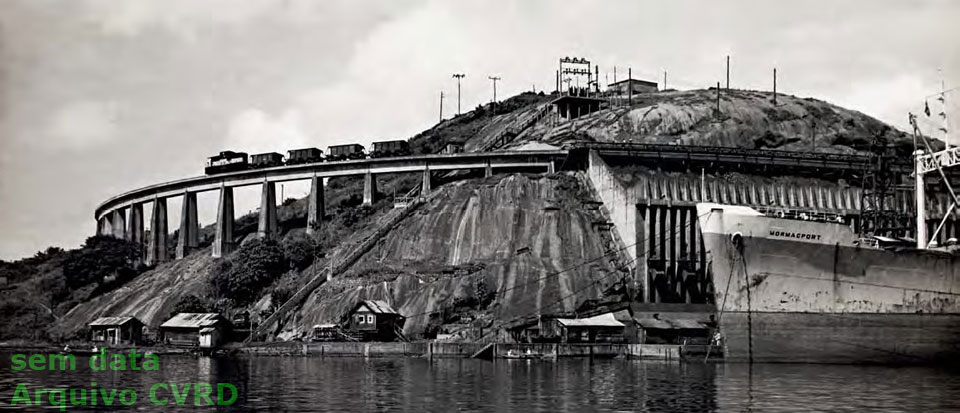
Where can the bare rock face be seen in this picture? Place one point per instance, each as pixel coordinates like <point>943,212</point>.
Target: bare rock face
<point>525,243</point>
<point>149,297</point>
<point>746,119</point>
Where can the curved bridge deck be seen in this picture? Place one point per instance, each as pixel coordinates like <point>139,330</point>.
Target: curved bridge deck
<point>418,163</point>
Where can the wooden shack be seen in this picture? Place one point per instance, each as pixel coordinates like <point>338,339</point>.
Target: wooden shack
<point>603,328</point>
<point>112,331</point>
<point>194,330</point>
<point>375,320</point>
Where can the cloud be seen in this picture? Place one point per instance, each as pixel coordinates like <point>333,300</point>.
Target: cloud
<point>79,125</point>
<point>191,17</point>
<point>129,17</point>
<point>256,131</point>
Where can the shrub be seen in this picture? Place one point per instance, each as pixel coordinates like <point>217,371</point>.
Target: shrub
<point>190,304</point>
<point>299,251</point>
<point>256,265</point>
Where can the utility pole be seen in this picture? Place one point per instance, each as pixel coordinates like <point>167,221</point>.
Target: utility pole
<point>458,76</point>
<point>774,86</point>
<point>630,85</point>
<point>728,72</point>
<point>718,99</point>
<point>596,78</point>
<point>441,106</point>
<point>494,79</point>
<point>664,79</point>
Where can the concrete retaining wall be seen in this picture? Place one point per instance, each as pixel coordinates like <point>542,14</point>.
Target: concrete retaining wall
<point>619,200</point>
<point>463,350</point>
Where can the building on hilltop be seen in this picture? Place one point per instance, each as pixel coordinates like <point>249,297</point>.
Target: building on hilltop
<point>375,320</point>
<point>567,108</point>
<point>639,86</point>
<point>112,331</point>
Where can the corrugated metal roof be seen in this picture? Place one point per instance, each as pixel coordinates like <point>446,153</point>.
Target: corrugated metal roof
<point>602,320</point>
<point>665,324</point>
<point>192,320</point>
<point>379,307</point>
<point>111,321</point>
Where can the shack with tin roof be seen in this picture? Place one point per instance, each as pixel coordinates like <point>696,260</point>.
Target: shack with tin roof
<point>112,331</point>
<point>204,330</point>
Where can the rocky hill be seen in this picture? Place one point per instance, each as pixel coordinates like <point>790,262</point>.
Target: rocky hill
<point>482,251</point>
<point>746,119</point>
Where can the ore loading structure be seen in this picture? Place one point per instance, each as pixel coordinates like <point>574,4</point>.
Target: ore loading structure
<point>813,288</point>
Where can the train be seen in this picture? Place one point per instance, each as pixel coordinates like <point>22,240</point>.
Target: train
<point>230,161</point>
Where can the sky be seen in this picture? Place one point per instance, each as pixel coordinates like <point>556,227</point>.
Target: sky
<point>98,97</point>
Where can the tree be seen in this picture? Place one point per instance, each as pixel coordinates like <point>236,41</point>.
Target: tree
<point>100,256</point>
<point>190,304</point>
<point>242,277</point>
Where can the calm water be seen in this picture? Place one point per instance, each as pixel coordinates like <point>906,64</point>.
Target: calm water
<point>407,384</point>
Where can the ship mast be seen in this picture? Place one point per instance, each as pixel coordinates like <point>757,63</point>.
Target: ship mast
<point>927,161</point>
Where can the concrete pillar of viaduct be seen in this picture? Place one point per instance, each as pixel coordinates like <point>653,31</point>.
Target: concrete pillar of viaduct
<point>102,226</point>
<point>369,188</point>
<point>135,227</point>
<point>315,206</point>
<point>119,220</point>
<point>427,184</point>
<point>488,170</point>
<point>189,236</point>
<point>267,228</point>
<point>223,239</point>
<point>157,248</point>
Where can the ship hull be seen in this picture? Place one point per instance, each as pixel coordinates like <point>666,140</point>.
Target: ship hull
<point>835,338</point>
<point>805,291</point>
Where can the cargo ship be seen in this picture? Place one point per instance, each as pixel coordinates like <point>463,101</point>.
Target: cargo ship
<point>806,288</point>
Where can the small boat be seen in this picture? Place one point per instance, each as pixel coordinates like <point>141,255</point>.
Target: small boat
<point>513,354</point>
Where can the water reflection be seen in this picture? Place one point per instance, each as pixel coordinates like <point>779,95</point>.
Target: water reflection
<point>407,384</point>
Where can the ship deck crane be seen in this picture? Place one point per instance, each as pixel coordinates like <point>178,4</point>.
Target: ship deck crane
<point>926,162</point>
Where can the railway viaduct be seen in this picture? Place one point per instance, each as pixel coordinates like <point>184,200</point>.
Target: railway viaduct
<point>122,216</point>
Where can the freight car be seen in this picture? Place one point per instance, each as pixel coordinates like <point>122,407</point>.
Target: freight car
<point>266,160</point>
<point>306,155</point>
<point>344,152</point>
<point>390,148</point>
<point>226,161</point>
